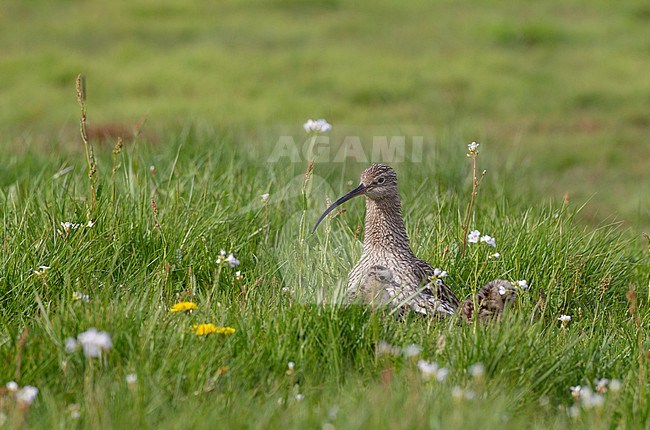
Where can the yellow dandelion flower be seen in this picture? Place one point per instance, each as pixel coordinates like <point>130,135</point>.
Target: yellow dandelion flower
<point>203,329</point>
<point>227,331</point>
<point>222,370</point>
<point>183,306</point>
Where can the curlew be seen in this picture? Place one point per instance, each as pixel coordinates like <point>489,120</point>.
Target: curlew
<point>491,300</point>
<point>378,288</point>
<point>388,270</point>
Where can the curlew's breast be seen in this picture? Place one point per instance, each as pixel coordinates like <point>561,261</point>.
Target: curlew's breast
<point>403,268</point>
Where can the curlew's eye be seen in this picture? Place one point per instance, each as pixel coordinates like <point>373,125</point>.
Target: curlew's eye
<point>381,180</point>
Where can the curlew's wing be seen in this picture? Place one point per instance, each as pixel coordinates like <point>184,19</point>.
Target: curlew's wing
<point>437,287</point>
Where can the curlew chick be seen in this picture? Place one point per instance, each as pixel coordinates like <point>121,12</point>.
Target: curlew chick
<point>378,287</point>
<point>491,300</point>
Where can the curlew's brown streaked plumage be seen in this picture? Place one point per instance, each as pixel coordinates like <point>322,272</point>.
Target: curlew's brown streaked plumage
<point>378,289</point>
<point>491,301</point>
<point>388,268</point>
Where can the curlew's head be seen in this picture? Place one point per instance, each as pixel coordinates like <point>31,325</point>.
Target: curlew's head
<point>378,182</point>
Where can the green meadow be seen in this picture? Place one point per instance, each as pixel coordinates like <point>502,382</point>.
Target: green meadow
<point>187,104</point>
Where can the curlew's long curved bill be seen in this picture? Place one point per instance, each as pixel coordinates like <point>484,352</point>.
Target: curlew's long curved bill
<point>361,189</point>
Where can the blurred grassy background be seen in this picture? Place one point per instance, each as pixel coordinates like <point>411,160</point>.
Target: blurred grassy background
<point>563,87</point>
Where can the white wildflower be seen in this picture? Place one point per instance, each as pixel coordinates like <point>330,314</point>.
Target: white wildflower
<point>495,255</point>
<point>457,392</point>
<point>238,275</point>
<point>318,126</point>
<point>67,226</point>
<point>75,411</point>
<point>477,370</point>
<point>131,379</point>
<point>472,149</point>
<point>333,412</point>
<point>470,394</point>
<point>564,320</point>
<point>489,240</point>
<point>590,399</point>
<point>94,342</point>
<point>576,391</point>
<point>232,261</point>
<point>385,348</point>
<point>12,386</point>
<point>291,365</point>
<point>439,273</point>
<point>601,385</point>
<point>80,296</point>
<point>521,284</point>
<point>442,374</point>
<point>474,236</point>
<point>265,197</point>
<point>27,394</point>
<point>42,270</point>
<point>299,397</point>
<point>71,344</point>
<point>427,368</point>
<point>222,256</point>
<point>412,350</point>
<point>432,370</point>
<point>615,385</point>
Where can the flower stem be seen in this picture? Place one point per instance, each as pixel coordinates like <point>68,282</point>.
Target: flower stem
<point>475,183</point>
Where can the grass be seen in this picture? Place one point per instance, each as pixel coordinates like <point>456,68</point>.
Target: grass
<point>563,86</point>
<point>135,263</point>
<point>556,93</point>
